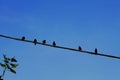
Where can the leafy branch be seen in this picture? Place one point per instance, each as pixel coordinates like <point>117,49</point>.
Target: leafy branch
<point>9,64</point>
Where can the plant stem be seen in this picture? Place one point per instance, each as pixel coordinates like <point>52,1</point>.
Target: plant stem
<point>4,71</point>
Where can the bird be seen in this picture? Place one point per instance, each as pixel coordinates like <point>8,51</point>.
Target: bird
<point>23,38</point>
<point>54,44</point>
<point>96,51</point>
<point>79,48</point>
<point>35,41</point>
<point>44,41</point>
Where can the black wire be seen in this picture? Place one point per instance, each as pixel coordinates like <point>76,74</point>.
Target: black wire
<point>61,47</point>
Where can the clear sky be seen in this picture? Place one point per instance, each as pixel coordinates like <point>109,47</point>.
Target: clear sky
<point>88,23</point>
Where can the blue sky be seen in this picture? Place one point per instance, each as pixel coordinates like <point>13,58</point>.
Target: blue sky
<point>88,23</point>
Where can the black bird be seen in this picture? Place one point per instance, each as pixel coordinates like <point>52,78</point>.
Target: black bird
<point>35,41</point>
<point>79,48</point>
<point>96,51</point>
<point>44,41</point>
<point>54,44</point>
<point>23,38</point>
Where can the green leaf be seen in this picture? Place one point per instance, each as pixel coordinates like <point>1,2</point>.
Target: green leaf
<point>6,59</point>
<point>4,56</point>
<point>3,65</point>
<point>13,59</point>
<point>1,77</point>
<point>8,67</point>
<point>14,65</point>
<point>13,71</point>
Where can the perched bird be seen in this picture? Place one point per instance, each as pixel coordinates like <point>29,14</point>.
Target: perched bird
<point>35,41</point>
<point>96,51</point>
<point>79,48</point>
<point>44,41</point>
<point>23,38</point>
<point>54,44</point>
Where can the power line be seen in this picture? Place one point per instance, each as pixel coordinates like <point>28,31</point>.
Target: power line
<point>61,47</point>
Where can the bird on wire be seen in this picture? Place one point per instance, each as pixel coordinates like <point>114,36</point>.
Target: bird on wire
<point>54,44</point>
<point>35,41</point>
<point>79,48</point>
<point>96,51</point>
<point>44,41</point>
<point>23,38</point>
